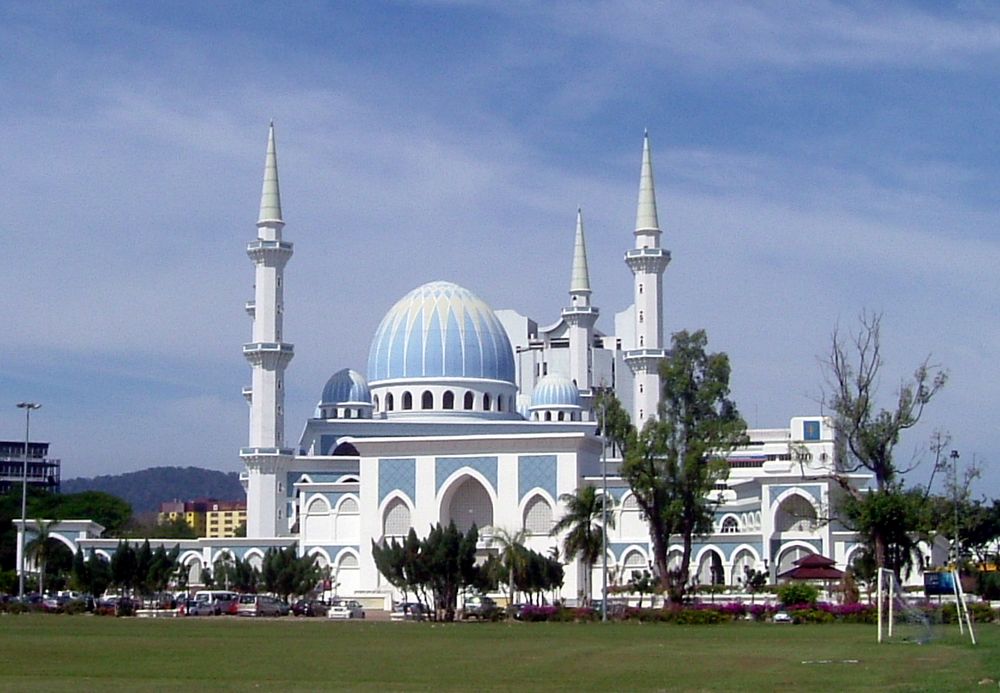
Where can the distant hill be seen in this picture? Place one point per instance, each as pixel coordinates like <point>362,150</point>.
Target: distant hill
<point>146,489</point>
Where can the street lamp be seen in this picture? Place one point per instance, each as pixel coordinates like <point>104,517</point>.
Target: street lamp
<point>27,407</point>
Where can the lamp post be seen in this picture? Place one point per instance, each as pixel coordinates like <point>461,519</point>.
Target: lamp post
<point>954,493</point>
<point>27,407</point>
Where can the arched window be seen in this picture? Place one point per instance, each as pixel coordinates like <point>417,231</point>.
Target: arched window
<point>548,416</point>
<point>348,505</point>
<point>396,522</point>
<point>499,402</point>
<point>795,514</point>
<point>388,401</point>
<point>448,400</point>
<point>375,402</point>
<point>634,562</point>
<point>407,401</point>
<point>730,526</point>
<point>560,416</point>
<point>469,401</point>
<point>470,504</point>
<point>486,402</point>
<point>538,516</point>
<point>427,400</point>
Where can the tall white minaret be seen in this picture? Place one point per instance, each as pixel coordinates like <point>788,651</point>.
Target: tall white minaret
<point>580,316</point>
<point>267,456</point>
<point>647,262</point>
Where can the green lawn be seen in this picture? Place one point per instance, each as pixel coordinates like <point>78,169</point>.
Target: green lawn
<point>55,652</point>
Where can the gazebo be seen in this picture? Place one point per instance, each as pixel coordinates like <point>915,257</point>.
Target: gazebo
<point>813,567</point>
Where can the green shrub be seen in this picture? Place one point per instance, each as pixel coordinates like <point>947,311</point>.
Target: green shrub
<point>981,612</point>
<point>989,585</point>
<point>812,616</point>
<point>793,593</point>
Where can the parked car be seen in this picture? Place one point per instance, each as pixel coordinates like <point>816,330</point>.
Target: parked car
<point>195,607</point>
<point>479,607</point>
<point>54,603</point>
<point>259,605</point>
<point>346,609</point>
<point>408,611</point>
<point>223,601</point>
<point>309,607</point>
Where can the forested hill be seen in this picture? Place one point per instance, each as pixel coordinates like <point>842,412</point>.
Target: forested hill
<point>146,489</point>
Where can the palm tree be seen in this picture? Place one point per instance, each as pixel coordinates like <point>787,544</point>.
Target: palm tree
<point>583,520</point>
<point>40,550</point>
<point>513,557</point>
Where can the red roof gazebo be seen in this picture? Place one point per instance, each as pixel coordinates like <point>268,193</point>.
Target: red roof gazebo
<point>813,567</point>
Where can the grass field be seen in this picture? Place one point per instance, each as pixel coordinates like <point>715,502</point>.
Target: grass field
<point>80,653</point>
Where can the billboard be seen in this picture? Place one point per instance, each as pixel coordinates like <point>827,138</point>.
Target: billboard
<point>939,583</point>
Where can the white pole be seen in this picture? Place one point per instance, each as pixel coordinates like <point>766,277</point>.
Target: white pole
<point>892,598</point>
<point>879,598</point>
<point>956,587</point>
<point>965,608</point>
<point>604,511</point>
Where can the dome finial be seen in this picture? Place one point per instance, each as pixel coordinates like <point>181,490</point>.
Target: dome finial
<point>646,218</point>
<point>270,197</point>
<point>580,278</point>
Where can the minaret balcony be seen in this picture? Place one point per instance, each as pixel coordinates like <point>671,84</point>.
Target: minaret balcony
<point>268,354</point>
<point>644,360</point>
<point>271,252</point>
<point>652,260</point>
<point>251,308</point>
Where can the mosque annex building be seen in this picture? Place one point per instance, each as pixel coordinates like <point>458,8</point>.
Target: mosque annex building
<point>474,416</point>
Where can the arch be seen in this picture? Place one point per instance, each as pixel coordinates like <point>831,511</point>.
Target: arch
<point>631,523</point>
<point>317,521</point>
<point>345,449</point>
<point>470,401</point>
<point>69,543</point>
<point>195,568</point>
<point>322,557</point>
<point>634,561</point>
<point>347,479</point>
<point>427,400</point>
<point>448,400</point>
<point>407,401</point>
<point>729,525</point>
<point>466,502</point>
<point>853,553</point>
<point>348,504</point>
<point>744,558</point>
<point>375,402</point>
<point>103,554</point>
<point>347,572</point>
<point>347,522</point>
<point>396,519</point>
<point>255,557</point>
<point>795,513</point>
<point>537,515</point>
<point>710,570</point>
<point>317,505</point>
<point>486,401</point>
<point>389,401</point>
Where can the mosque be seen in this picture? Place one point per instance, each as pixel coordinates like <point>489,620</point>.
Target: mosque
<point>485,417</point>
<point>472,415</point>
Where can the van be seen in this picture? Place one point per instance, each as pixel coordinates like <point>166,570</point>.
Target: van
<point>258,605</point>
<point>221,601</point>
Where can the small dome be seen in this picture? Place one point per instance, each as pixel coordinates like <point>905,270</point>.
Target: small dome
<point>440,330</point>
<point>555,391</point>
<point>346,387</point>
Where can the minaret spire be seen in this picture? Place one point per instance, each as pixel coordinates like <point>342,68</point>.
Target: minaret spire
<point>579,282</point>
<point>580,316</point>
<point>270,195</point>
<point>645,218</point>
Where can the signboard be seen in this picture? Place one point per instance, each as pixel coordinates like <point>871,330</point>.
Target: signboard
<point>939,583</point>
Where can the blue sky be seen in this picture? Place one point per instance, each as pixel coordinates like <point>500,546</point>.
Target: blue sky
<point>812,160</point>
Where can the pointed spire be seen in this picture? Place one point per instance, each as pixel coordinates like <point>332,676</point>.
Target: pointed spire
<point>270,197</point>
<point>645,218</point>
<point>580,279</point>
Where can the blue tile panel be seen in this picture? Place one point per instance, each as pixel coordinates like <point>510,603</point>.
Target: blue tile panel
<point>536,471</point>
<point>814,490</point>
<point>446,466</point>
<point>397,475</point>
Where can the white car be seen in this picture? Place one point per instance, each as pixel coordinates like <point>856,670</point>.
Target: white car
<point>782,617</point>
<point>346,609</point>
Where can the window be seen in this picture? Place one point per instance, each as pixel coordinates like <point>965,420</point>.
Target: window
<point>448,400</point>
<point>640,316</point>
<point>375,402</point>
<point>468,400</point>
<point>538,516</point>
<point>388,401</point>
<point>486,402</point>
<point>397,519</point>
<point>349,505</point>
<point>427,400</point>
<point>640,289</point>
<point>730,526</point>
<point>407,401</point>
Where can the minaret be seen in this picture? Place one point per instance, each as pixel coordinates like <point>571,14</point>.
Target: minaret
<point>580,316</point>
<point>647,262</point>
<point>267,456</point>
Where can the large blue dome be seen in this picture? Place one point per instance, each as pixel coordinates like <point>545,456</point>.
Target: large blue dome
<point>440,330</point>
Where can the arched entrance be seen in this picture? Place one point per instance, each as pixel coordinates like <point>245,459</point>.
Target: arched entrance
<point>467,503</point>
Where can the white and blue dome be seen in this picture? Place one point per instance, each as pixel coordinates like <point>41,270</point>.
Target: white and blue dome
<point>440,330</point>
<point>346,387</point>
<point>555,391</point>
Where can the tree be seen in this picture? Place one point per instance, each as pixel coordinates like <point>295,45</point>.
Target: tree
<point>40,549</point>
<point>584,522</point>
<point>679,457</point>
<point>513,559</point>
<point>123,567</point>
<point>870,434</point>
<point>285,573</point>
